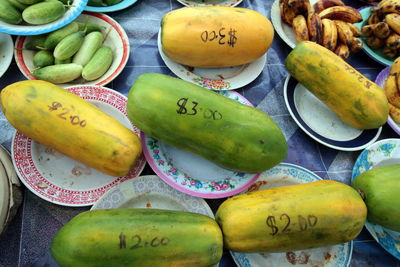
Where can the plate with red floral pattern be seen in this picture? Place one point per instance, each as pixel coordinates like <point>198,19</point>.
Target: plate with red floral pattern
<point>61,180</point>
<point>192,174</point>
<point>228,78</point>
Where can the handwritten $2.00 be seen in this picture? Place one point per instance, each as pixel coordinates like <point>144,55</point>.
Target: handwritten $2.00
<point>64,114</point>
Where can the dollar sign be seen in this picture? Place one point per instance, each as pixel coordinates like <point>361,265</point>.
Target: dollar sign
<point>272,223</point>
<point>181,104</point>
<point>232,38</point>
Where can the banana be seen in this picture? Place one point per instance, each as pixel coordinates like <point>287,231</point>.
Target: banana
<point>345,35</point>
<point>287,14</point>
<point>374,42</point>
<point>324,4</point>
<point>389,52</point>
<point>342,50</point>
<point>367,30</point>
<point>394,113</point>
<point>297,6</point>
<point>344,13</point>
<point>393,20</point>
<point>356,31</point>
<point>395,68</point>
<point>390,6</point>
<point>381,30</point>
<point>355,45</point>
<point>373,17</point>
<point>329,37</point>
<point>393,41</point>
<point>391,90</point>
<point>300,28</point>
<point>315,27</point>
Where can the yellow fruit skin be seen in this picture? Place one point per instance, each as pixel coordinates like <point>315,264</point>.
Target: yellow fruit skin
<point>78,129</point>
<point>292,217</point>
<point>355,99</point>
<point>215,36</point>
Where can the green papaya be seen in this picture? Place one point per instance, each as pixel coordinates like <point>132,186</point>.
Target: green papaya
<point>380,188</point>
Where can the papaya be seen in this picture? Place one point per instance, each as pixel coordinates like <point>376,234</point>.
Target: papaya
<point>355,99</point>
<point>381,190</point>
<point>139,238</point>
<point>215,36</point>
<point>293,217</point>
<point>69,124</point>
<point>230,134</point>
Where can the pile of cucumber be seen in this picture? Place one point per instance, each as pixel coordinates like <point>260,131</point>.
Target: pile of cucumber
<point>34,12</point>
<point>74,51</point>
<point>102,3</point>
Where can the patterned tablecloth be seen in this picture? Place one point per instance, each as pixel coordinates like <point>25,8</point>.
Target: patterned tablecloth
<point>27,240</point>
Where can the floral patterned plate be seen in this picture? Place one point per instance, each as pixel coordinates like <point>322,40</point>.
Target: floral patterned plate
<point>228,78</point>
<point>149,191</point>
<point>338,255</point>
<point>381,153</point>
<point>61,180</point>
<point>192,174</point>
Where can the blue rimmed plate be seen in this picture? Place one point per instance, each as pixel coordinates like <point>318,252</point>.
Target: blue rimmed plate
<point>381,153</point>
<point>104,9</point>
<point>333,256</point>
<point>191,174</point>
<point>375,54</point>
<point>320,123</point>
<point>71,13</point>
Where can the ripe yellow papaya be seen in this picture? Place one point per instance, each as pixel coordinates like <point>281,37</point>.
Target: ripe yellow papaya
<point>215,36</point>
<point>69,124</point>
<point>355,99</point>
<point>292,217</point>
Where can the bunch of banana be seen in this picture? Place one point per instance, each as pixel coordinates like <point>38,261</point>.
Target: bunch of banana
<point>392,90</point>
<point>328,22</point>
<point>382,28</point>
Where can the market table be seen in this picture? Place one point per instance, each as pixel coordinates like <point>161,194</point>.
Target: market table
<point>26,241</point>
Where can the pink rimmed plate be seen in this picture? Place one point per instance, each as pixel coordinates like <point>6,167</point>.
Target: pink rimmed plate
<point>192,174</point>
<point>230,3</point>
<point>115,37</point>
<point>61,180</point>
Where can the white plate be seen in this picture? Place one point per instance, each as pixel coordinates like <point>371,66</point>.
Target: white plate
<point>60,179</point>
<point>382,153</point>
<point>380,80</point>
<point>192,174</point>
<point>228,78</point>
<point>6,52</point>
<point>116,39</point>
<point>230,3</point>
<point>282,29</point>
<point>319,122</point>
<point>25,29</point>
<point>338,255</point>
<point>150,191</point>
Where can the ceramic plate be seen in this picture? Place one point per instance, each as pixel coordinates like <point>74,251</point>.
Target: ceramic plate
<point>6,52</point>
<point>121,5</point>
<point>380,80</point>
<point>282,29</point>
<point>381,153</point>
<point>230,3</point>
<point>339,255</point>
<point>319,122</point>
<point>150,191</point>
<point>375,54</point>
<point>228,78</point>
<point>116,38</point>
<point>25,29</point>
<point>192,174</point>
<point>61,180</point>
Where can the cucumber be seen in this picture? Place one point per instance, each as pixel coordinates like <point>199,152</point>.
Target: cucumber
<point>90,27</point>
<point>43,12</point>
<point>91,43</point>
<point>29,2</point>
<point>58,73</point>
<point>43,58</point>
<point>64,61</point>
<point>9,14</point>
<point>18,5</point>
<point>98,3</point>
<point>55,37</point>
<point>112,2</point>
<point>36,42</point>
<point>68,46</point>
<point>98,64</point>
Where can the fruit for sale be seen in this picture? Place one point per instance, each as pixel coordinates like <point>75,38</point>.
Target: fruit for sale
<point>380,187</point>
<point>330,34</point>
<point>69,124</point>
<point>300,28</point>
<point>324,4</point>
<point>356,100</point>
<point>344,13</point>
<point>227,37</point>
<point>294,217</point>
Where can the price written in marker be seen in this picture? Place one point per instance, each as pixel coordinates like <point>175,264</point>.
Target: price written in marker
<point>221,36</point>
<point>136,241</point>
<point>186,107</point>
<point>302,223</point>
<point>63,113</point>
